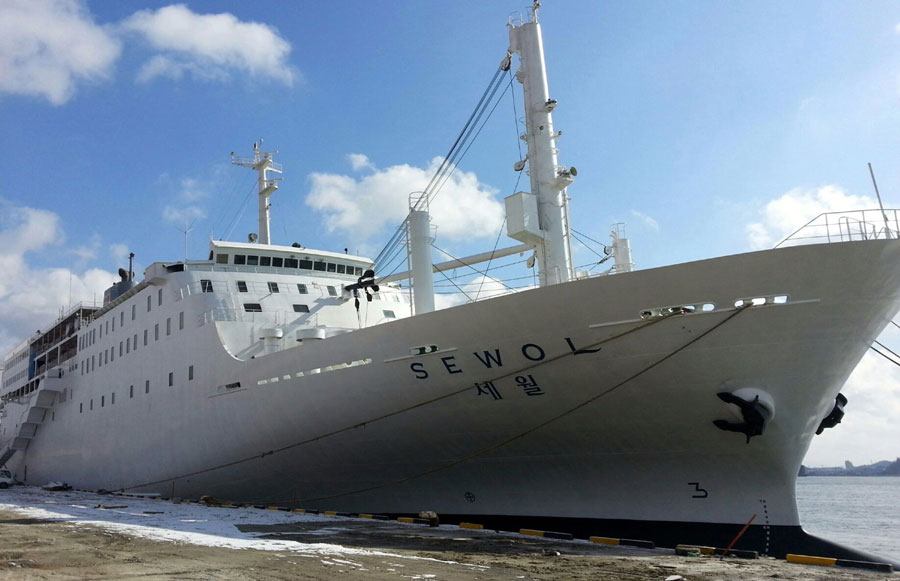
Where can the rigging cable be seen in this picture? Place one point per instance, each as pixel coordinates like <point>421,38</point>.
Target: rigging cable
<point>240,208</point>
<point>885,356</point>
<point>448,164</point>
<point>484,273</point>
<point>577,237</point>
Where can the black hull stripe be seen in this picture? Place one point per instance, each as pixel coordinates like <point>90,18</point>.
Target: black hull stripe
<point>774,541</point>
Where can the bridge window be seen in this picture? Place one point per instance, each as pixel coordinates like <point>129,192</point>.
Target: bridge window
<point>342,268</point>
<point>290,263</point>
<point>332,267</point>
<point>265,261</point>
<point>240,259</point>
<point>277,261</point>
<point>252,260</point>
<point>307,264</point>
<point>319,266</point>
<point>222,259</point>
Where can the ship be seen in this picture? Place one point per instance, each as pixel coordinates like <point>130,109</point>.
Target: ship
<point>671,404</point>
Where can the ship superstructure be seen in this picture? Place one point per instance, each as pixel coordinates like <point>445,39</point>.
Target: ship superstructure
<point>673,404</point>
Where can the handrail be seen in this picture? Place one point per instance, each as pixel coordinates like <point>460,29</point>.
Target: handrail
<point>871,224</point>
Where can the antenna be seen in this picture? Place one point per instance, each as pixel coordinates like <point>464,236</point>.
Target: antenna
<point>187,228</point>
<point>887,230</point>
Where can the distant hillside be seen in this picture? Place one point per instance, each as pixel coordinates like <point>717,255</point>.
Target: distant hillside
<point>883,468</point>
<point>893,469</point>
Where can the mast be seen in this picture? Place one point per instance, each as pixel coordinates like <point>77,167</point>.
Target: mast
<point>549,180</point>
<point>420,239</point>
<point>262,163</point>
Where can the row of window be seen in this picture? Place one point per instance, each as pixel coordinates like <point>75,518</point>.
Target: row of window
<point>24,390</point>
<point>257,308</point>
<point>15,378</point>
<point>298,308</point>
<point>274,288</point>
<point>112,395</point>
<point>109,326</point>
<point>316,371</point>
<point>108,355</point>
<point>16,359</point>
<point>281,262</point>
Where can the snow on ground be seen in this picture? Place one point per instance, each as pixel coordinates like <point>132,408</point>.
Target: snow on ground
<point>179,523</point>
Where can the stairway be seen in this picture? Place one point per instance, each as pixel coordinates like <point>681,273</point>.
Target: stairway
<point>6,456</point>
<point>41,400</point>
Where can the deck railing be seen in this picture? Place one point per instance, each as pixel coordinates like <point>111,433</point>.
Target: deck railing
<point>845,227</point>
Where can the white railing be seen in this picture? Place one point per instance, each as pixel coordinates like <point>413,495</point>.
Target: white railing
<point>845,227</point>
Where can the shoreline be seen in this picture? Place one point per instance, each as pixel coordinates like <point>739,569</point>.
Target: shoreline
<point>71,534</point>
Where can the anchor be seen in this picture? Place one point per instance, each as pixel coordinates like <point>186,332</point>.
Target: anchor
<point>755,416</point>
<point>836,414</point>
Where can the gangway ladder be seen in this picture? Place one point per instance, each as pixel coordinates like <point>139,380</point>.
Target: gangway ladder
<point>48,390</point>
<point>6,456</point>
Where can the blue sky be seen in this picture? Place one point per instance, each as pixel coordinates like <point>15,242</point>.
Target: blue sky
<point>710,128</point>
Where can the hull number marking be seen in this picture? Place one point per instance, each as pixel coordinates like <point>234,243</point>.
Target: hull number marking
<point>700,492</point>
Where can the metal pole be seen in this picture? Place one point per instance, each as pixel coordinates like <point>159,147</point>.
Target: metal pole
<point>887,229</point>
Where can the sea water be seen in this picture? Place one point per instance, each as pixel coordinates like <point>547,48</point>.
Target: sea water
<point>861,512</point>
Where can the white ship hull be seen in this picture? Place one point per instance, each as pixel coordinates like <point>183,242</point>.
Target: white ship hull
<point>616,438</point>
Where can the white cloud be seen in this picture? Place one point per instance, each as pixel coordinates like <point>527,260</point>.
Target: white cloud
<point>650,222</point>
<point>782,216</point>
<point>184,209</point>
<point>119,253</point>
<point>31,297</point>
<point>360,161</point>
<point>183,216</point>
<point>163,66</point>
<point>464,208</point>
<point>193,190</point>
<point>48,47</point>
<point>88,252</point>
<point>477,288</point>
<point>209,46</point>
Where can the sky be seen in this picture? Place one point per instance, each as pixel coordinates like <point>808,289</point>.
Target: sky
<point>708,128</point>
